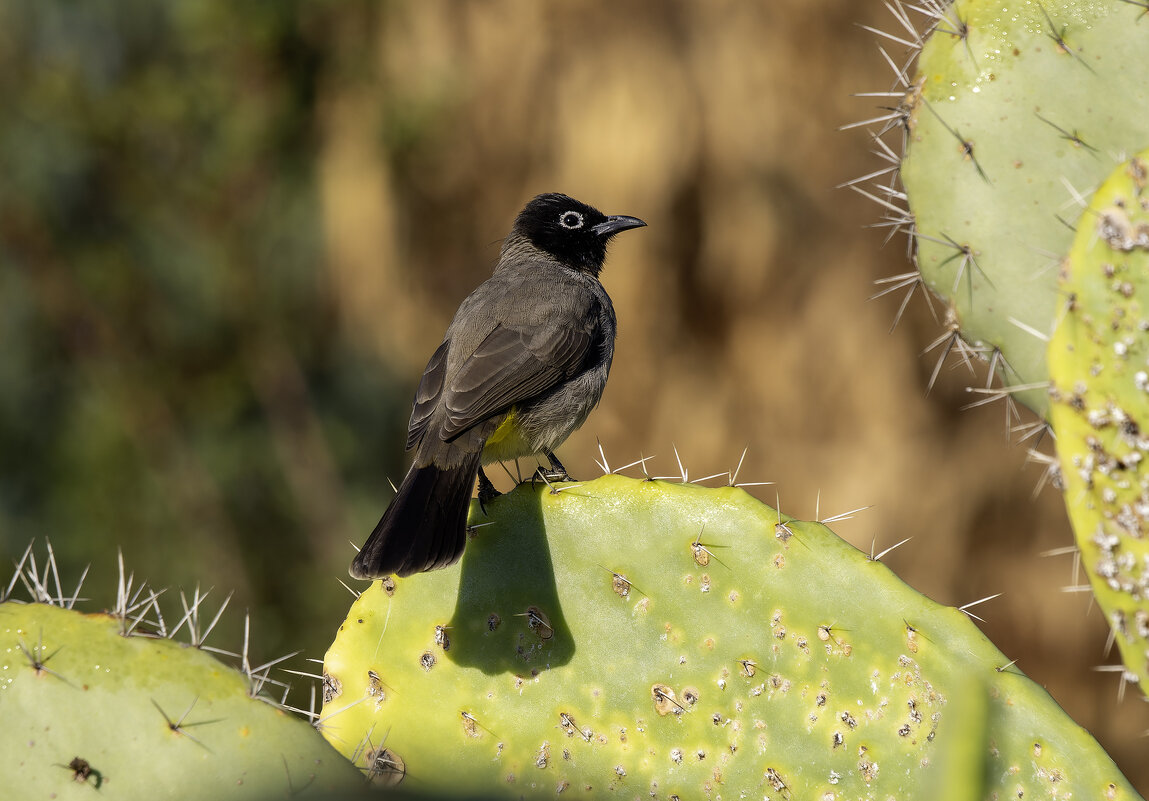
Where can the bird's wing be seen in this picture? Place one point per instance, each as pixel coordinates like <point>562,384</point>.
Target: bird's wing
<point>427,395</point>
<point>509,366</point>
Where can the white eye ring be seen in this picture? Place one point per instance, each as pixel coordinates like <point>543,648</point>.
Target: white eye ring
<point>564,220</point>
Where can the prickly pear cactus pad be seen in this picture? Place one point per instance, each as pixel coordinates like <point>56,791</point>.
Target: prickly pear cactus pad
<point>90,714</point>
<point>1099,360</point>
<point>651,640</point>
<point>1018,108</point>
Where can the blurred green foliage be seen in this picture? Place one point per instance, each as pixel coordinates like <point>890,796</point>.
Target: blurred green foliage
<point>172,379</point>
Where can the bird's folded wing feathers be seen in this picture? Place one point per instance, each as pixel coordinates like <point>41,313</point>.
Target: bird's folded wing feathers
<point>427,395</point>
<point>509,366</point>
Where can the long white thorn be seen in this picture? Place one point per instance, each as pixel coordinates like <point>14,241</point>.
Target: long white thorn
<point>845,515</point>
<point>966,607</point>
<point>878,558</point>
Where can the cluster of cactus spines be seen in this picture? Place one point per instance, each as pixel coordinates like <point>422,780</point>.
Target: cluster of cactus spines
<point>1099,364</point>
<point>642,638</point>
<point>111,704</point>
<point>1005,115</point>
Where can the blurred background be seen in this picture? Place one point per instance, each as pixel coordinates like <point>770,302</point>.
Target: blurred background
<point>231,234</point>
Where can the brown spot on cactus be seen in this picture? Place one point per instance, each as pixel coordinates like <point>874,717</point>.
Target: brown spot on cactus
<point>665,702</point>
<point>620,585</point>
<point>539,623</point>
<point>774,779</point>
<point>700,553</point>
<point>782,532</point>
<point>568,725</point>
<point>82,772</point>
<point>332,687</point>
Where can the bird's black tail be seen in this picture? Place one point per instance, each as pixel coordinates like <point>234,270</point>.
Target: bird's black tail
<point>425,527</point>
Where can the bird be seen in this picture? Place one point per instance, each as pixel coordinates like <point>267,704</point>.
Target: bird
<point>521,366</point>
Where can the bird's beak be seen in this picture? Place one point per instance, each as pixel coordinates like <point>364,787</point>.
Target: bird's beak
<point>616,223</point>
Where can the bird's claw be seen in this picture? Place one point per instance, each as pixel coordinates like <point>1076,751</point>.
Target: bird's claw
<point>550,476</point>
<point>487,491</point>
<point>554,474</point>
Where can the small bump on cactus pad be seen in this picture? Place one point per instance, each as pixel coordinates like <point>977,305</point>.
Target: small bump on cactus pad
<point>1099,360</point>
<point>644,639</point>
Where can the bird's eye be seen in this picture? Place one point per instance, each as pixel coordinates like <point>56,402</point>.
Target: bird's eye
<point>570,220</point>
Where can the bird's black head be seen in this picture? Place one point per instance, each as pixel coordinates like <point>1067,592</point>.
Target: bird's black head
<point>574,233</point>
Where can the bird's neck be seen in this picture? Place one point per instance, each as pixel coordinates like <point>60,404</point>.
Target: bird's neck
<point>518,248</point>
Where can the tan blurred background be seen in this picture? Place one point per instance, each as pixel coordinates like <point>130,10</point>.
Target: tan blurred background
<point>318,186</point>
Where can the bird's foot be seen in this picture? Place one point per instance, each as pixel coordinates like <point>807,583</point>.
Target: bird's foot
<point>554,474</point>
<point>548,476</point>
<point>487,491</point>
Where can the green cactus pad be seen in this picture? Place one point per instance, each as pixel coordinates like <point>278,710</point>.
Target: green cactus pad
<point>1017,106</point>
<point>645,639</point>
<point>1099,360</point>
<point>90,714</point>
